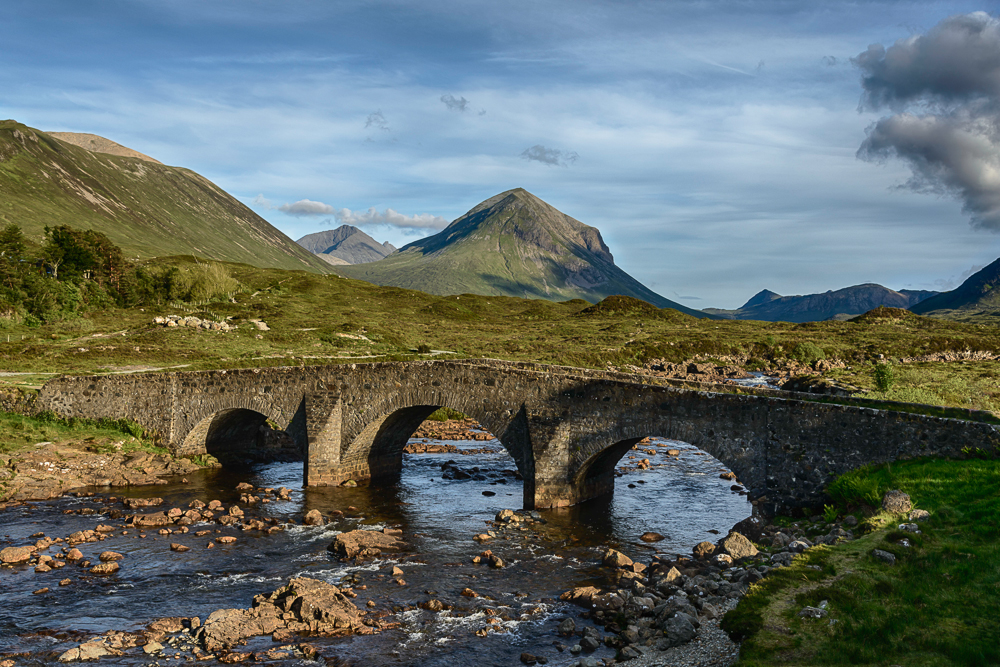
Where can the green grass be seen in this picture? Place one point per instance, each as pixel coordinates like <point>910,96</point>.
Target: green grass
<point>936,606</point>
<point>20,432</point>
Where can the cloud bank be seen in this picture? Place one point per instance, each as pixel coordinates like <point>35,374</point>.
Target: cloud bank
<point>345,216</point>
<point>459,104</point>
<point>550,156</point>
<point>945,89</point>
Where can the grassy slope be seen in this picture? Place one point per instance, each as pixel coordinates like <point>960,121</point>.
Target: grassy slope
<point>513,244</point>
<point>318,319</point>
<point>936,606</point>
<point>148,209</point>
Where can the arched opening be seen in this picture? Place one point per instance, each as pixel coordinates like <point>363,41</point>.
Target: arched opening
<point>662,493</point>
<point>239,436</point>
<point>383,442</point>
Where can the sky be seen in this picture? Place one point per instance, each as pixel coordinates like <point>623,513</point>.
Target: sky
<point>721,148</point>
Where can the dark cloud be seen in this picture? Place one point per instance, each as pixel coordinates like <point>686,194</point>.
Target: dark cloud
<point>377,120</point>
<point>830,61</point>
<point>455,104</point>
<point>956,60</point>
<point>550,156</point>
<point>945,87</point>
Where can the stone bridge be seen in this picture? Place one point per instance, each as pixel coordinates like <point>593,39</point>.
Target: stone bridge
<point>566,428</point>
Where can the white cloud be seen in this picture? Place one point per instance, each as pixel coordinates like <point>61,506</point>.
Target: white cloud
<point>306,207</point>
<point>346,216</point>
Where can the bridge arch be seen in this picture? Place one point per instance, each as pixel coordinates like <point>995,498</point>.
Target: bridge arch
<point>375,449</point>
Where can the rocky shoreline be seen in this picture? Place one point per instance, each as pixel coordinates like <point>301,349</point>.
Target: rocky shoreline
<point>50,469</point>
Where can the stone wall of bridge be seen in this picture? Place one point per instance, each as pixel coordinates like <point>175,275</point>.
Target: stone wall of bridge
<point>566,429</point>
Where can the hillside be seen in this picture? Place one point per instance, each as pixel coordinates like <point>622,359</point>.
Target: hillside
<point>347,244</point>
<point>978,293</point>
<point>147,208</point>
<point>513,244</point>
<point>848,302</point>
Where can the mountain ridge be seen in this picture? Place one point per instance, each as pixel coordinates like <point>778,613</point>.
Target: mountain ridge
<point>512,244</point>
<point>768,306</point>
<point>147,208</point>
<point>979,291</point>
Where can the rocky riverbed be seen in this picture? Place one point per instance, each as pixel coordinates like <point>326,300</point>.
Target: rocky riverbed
<point>405,575</point>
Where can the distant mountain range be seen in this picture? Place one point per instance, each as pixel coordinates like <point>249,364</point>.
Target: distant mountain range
<point>513,244</point>
<point>835,304</point>
<point>980,292</point>
<point>346,245</point>
<point>147,208</point>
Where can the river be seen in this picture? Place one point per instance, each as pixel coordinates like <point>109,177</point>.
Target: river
<point>682,498</point>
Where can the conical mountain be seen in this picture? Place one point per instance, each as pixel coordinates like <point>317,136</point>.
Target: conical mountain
<point>513,244</point>
<point>147,208</point>
<point>347,243</point>
<point>980,292</point>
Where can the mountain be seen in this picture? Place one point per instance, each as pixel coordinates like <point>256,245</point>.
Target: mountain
<point>346,243</point>
<point>980,292</point>
<point>839,304</point>
<point>147,208</point>
<point>513,244</point>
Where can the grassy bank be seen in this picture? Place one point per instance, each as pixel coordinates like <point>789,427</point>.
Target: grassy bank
<point>935,606</point>
<point>20,432</point>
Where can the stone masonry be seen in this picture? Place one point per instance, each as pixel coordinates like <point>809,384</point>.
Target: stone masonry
<point>565,428</point>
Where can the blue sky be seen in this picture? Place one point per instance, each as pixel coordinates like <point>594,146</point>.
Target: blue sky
<point>714,144</point>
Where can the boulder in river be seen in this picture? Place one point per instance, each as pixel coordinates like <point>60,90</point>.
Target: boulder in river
<point>304,605</point>
<point>364,544</point>
<point>13,555</point>
<point>313,518</point>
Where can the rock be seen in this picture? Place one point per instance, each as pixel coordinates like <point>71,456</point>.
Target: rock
<point>243,487</point>
<point>169,624</point>
<point>919,515</point>
<point>107,556</point>
<point>678,630</point>
<point>528,659</point>
<point>896,502</point>
<point>782,559</point>
<point>884,556</point>
<point>581,596</point>
<point>226,539</point>
<point>651,537</point>
<point>617,559</point>
<point>15,555</point>
<point>65,582</point>
<point>41,591</point>
<point>432,605</point>
<point>909,528</point>
<point>152,647</point>
<point>723,560</point>
<point>364,544</point>
<point>737,546</point>
<point>587,661</point>
<point>731,476</point>
<point>703,550</point>
<point>851,520</point>
<point>607,602</point>
<point>133,503</point>
<point>313,518</point>
<point>812,612</point>
<point>588,643</point>
<point>174,546</point>
<point>567,627</point>
<point>42,568</point>
<point>469,593</point>
<point>74,554</point>
<point>504,516</point>
<point>105,568</point>
<point>154,520</point>
<point>87,651</point>
<point>304,605</point>
<point>798,546</point>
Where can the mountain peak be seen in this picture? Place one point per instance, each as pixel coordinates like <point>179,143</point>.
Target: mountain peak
<point>763,296</point>
<point>512,244</point>
<point>346,245</point>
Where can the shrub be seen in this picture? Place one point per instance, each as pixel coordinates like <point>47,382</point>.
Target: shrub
<point>423,348</point>
<point>808,353</point>
<point>883,376</point>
